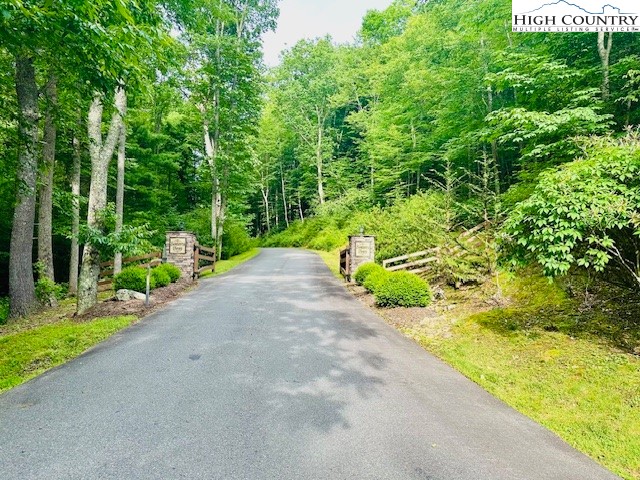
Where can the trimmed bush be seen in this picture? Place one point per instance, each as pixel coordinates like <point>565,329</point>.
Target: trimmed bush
<point>171,270</point>
<point>374,279</point>
<point>133,278</point>
<point>365,270</point>
<point>161,277</point>
<point>403,289</point>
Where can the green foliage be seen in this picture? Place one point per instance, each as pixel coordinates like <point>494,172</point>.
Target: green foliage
<point>375,279</point>
<point>236,239</point>
<point>160,278</point>
<point>47,291</point>
<point>133,278</point>
<point>130,241</point>
<point>4,310</point>
<point>365,270</point>
<point>402,289</point>
<point>341,208</point>
<point>171,270</point>
<point>585,213</point>
<point>409,225</point>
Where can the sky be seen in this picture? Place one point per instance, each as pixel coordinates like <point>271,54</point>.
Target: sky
<point>316,18</point>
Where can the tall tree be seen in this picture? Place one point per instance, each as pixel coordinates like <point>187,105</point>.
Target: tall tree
<point>21,281</point>
<point>101,151</point>
<point>45,210</point>
<point>306,84</point>
<point>122,153</point>
<point>226,90</point>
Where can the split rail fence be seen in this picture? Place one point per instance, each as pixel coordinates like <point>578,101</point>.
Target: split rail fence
<point>345,263</point>
<point>421,262</point>
<point>209,260</point>
<point>106,268</point>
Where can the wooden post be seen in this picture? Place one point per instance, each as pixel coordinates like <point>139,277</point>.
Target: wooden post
<point>146,300</point>
<point>196,260</point>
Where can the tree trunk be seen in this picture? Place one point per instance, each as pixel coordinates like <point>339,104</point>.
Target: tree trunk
<point>604,50</point>
<point>284,198</point>
<point>21,282</point>
<point>265,200</point>
<point>319,164</point>
<point>117,262</point>
<point>300,207</point>
<point>100,158</point>
<point>45,240</point>
<point>75,217</point>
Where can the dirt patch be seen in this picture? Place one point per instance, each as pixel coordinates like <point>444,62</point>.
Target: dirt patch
<point>398,316</point>
<point>159,298</point>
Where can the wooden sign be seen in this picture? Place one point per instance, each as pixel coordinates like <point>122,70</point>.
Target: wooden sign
<point>363,250</point>
<point>177,246</point>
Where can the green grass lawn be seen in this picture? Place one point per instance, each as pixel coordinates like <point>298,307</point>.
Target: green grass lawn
<point>26,354</point>
<point>544,358</point>
<point>225,265</point>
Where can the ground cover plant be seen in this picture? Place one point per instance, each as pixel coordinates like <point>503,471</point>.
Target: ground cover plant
<point>555,359</point>
<point>26,354</point>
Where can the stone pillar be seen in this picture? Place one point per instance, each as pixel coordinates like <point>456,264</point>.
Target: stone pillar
<point>362,249</point>
<point>180,252</point>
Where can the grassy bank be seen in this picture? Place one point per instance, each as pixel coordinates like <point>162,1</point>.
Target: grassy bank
<point>28,353</point>
<point>565,368</point>
<point>224,266</point>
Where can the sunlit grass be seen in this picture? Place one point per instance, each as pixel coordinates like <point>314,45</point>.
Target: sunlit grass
<point>26,354</point>
<point>225,265</point>
<point>533,356</point>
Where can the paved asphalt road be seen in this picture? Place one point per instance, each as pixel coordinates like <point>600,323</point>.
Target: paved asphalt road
<point>272,371</point>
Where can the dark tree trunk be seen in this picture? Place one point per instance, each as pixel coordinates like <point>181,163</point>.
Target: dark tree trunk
<point>21,281</point>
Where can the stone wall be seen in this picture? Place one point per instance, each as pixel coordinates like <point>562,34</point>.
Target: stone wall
<point>179,248</point>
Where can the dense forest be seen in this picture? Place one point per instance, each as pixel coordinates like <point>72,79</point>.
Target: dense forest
<point>121,120</point>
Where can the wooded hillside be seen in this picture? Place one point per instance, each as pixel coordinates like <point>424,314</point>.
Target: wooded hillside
<point>122,120</point>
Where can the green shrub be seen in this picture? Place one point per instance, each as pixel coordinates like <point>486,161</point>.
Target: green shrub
<point>328,239</point>
<point>47,291</point>
<point>365,270</point>
<point>160,276</point>
<point>133,278</point>
<point>402,289</point>
<point>236,238</point>
<point>584,214</point>
<point>171,270</point>
<point>375,279</point>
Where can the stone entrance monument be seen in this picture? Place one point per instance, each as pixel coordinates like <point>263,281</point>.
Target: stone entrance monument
<point>179,248</point>
<point>361,249</point>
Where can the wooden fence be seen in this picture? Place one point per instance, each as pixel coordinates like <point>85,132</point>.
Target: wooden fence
<point>417,262</point>
<point>106,268</point>
<point>199,257</point>
<point>345,263</point>
<point>420,262</point>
